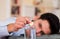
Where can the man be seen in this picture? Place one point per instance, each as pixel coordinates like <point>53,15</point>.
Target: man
<point>11,25</point>
<point>47,23</point>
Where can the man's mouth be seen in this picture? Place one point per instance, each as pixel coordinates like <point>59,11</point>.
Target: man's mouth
<point>42,33</point>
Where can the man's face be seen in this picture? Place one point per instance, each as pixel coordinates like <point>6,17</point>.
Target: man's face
<point>42,27</point>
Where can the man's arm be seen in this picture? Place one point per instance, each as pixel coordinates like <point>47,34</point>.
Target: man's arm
<point>10,25</point>
<point>3,31</point>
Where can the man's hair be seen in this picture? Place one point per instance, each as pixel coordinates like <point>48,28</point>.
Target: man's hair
<point>53,21</point>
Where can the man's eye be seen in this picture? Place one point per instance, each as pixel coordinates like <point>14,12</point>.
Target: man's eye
<point>40,25</point>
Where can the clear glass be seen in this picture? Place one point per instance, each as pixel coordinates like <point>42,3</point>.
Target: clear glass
<point>32,33</point>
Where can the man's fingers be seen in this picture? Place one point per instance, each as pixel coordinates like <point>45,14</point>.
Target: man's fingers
<point>27,20</point>
<point>21,21</point>
<point>19,24</point>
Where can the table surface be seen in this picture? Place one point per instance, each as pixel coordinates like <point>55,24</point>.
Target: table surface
<point>57,36</point>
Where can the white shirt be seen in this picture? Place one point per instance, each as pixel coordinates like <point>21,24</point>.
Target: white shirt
<point>4,31</point>
<point>3,26</point>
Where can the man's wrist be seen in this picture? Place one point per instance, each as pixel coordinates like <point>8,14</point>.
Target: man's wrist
<point>10,27</point>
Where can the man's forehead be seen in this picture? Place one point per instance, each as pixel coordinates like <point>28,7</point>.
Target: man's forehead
<point>40,20</point>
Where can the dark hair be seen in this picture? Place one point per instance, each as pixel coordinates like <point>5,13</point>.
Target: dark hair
<point>53,21</point>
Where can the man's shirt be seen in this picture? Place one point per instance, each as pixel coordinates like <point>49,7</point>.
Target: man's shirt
<point>3,26</point>
<point>4,31</point>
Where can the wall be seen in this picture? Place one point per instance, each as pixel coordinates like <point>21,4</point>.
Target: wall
<point>27,2</point>
<point>52,5</point>
<point>27,8</point>
<point>48,5</point>
<point>4,9</point>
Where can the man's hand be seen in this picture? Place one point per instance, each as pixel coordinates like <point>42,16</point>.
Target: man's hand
<point>20,23</point>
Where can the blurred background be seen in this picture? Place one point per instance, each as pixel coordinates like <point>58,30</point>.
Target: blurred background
<point>14,8</point>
